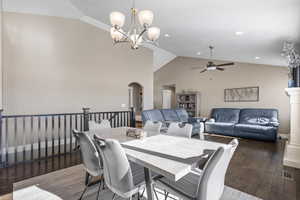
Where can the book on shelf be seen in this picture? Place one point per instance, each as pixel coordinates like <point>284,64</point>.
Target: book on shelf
<point>190,102</point>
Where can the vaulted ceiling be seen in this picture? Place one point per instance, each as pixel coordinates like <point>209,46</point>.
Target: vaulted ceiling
<point>194,25</point>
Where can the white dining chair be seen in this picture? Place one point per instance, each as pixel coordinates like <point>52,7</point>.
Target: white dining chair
<point>175,129</point>
<point>91,160</point>
<point>205,185</point>
<point>96,126</point>
<point>151,126</point>
<point>121,177</point>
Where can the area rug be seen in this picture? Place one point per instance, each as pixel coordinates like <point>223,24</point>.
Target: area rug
<point>229,194</point>
<point>68,184</point>
<point>34,193</point>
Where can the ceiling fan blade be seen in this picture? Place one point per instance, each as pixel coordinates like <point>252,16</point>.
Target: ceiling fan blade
<point>203,70</point>
<point>220,68</point>
<point>225,64</point>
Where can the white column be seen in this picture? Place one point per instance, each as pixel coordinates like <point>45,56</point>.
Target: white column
<point>1,53</point>
<point>292,149</point>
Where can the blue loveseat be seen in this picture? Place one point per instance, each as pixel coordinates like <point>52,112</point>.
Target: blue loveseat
<point>260,124</point>
<point>173,115</point>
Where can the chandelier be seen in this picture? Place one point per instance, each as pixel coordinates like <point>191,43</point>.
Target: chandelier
<point>136,33</point>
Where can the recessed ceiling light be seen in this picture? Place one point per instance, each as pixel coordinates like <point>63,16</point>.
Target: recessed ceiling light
<point>167,35</point>
<point>198,53</point>
<point>239,33</point>
<point>257,58</point>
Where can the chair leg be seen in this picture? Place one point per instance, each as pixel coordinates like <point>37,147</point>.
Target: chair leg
<point>138,196</point>
<point>99,188</point>
<point>87,184</point>
<point>103,186</point>
<point>166,195</point>
<point>113,198</point>
<point>143,192</point>
<point>87,176</point>
<point>155,194</point>
<point>85,189</point>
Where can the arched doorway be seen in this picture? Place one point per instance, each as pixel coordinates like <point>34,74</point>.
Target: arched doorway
<point>136,93</point>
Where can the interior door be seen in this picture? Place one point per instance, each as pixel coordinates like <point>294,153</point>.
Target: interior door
<point>166,99</point>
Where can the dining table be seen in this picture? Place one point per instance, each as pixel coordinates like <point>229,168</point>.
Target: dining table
<point>170,156</point>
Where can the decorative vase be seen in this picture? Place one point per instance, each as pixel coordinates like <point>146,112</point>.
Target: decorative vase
<point>291,83</point>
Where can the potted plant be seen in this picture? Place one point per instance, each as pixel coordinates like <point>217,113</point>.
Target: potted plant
<point>293,60</point>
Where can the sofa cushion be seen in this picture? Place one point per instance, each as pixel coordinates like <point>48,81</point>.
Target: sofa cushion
<point>182,115</point>
<point>263,117</point>
<point>152,115</point>
<point>220,128</point>
<point>170,115</point>
<point>254,128</point>
<point>227,115</point>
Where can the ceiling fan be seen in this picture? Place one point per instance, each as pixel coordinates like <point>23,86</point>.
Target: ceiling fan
<point>211,65</point>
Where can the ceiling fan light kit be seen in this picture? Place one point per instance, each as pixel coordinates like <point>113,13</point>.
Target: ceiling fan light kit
<point>136,32</point>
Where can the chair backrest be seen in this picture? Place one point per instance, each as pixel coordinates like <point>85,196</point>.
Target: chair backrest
<point>211,184</point>
<point>90,156</point>
<point>152,126</point>
<point>174,129</point>
<point>96,126</point>
<point>116,168</point>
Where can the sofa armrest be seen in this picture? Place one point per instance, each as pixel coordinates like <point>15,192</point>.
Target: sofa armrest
<point>212,120</point>
<point>193,120</point>
<point>275,124</point>
<point>196,119</point>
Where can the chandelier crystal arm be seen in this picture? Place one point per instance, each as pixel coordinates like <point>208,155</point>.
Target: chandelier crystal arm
<point>142,33</point>
<point>124,34</point>
<point>121,41</point>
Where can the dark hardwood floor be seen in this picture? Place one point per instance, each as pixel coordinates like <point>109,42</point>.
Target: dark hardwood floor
<point>20,172</point>
<point>256,168</point>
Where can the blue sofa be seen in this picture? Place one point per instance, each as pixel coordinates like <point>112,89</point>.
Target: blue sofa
<point>260,124</point>
<point>173,115</point>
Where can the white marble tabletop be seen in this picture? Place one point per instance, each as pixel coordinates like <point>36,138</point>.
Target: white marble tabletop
<point>169,156</point>
<point>179,147</point>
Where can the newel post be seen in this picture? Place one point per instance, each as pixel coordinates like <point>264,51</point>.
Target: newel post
<point>2,161</point>
<point>86,112</point>
<point>132,117</point>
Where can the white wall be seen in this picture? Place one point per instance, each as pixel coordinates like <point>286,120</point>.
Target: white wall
<point>54,65</point>
<point>66,9</point>
<point>161,57</point>
<point>60,8</point>
<point>271,80</point>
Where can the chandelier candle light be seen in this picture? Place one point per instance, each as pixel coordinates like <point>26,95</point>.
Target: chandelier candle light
<point>135,35</point>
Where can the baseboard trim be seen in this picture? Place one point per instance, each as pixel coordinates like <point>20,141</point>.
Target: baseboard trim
<point>291,156</point>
